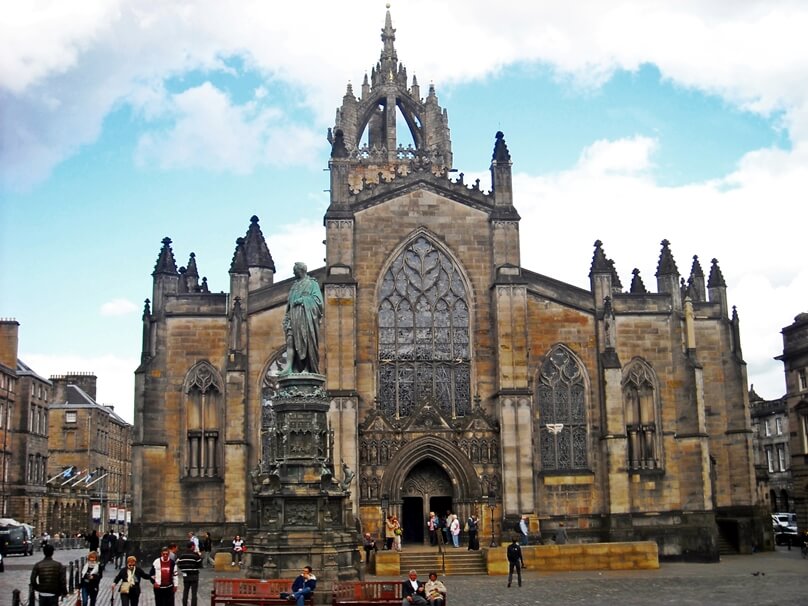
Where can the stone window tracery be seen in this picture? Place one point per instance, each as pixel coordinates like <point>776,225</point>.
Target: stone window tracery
<point>423,333</point>
<point>640,404</point>
<point>561,400</point>
<point>204,392</point>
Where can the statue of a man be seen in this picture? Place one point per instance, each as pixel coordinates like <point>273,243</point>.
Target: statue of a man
<point>302,323</point>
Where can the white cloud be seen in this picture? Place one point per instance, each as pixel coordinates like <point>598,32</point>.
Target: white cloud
<point>64,69</point>
<point>624,156</point>
<point>211,132</point>
<point>118,307</point>
<point>733,219</point>
<point>116,379</point>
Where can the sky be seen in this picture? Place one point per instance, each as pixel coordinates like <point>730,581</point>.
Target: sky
<point>123,122</point>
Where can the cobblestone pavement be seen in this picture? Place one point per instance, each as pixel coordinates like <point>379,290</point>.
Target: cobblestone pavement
<point>776,578</point>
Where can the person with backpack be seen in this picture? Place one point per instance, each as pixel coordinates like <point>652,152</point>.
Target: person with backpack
<point>515,561</point>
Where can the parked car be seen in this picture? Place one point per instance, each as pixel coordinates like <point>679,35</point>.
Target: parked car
<point>19,539</point>
<point>784,525</point>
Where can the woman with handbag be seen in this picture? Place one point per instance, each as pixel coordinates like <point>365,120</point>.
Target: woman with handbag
<point>129,577</point>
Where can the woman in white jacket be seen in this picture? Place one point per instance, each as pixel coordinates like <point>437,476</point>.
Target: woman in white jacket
<point>454,528</point>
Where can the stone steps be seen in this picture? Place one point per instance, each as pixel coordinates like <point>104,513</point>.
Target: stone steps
<point>456,563</point>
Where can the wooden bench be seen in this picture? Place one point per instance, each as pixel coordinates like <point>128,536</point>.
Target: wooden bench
<point>370,593</point>
<point>252,592</point>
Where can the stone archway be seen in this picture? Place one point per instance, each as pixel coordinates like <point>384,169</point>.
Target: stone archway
<point>425,485</point>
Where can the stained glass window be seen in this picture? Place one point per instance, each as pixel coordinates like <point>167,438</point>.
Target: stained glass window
<point>561,398</point>
<point>423,333</point>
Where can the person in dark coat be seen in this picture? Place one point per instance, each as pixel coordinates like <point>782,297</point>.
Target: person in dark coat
<point>412,591</point>
<point>515,561</point>
<point>131,574</point>
<point>49,579</point>
<point>92,540</point>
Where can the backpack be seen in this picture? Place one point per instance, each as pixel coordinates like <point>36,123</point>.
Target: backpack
<point>514,553</point>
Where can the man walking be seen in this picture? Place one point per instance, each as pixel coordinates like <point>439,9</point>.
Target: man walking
<point>164,573</point>
<point>49,579</point>
<point>515,561</point>
<point>189,562</point>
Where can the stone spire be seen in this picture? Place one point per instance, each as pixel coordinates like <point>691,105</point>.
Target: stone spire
<point>667,275</point>
<point>717,288</point>
<point>192,275</point>
<point>637,285</point>
<point>388,60</point>
<point>259,260</point>
<point>601,275</point>
<point>165,260</point>
<point>695,283</point>
<point>501,176</point>
<point>239,263</point>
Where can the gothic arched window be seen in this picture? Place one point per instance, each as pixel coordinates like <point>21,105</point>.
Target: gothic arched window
<point>204,393</point>
<point>562,412</point>
<point>423,333</point>
<point>642,420</point>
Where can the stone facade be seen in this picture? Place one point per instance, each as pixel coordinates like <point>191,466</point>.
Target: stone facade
<point>795,363</point>
<point>457,378</point>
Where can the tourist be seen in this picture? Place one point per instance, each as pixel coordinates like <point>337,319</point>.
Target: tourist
<point>435,590</point>
<point>524,528</point>
<point>398,532</point>
<point>92,540</point>
<point>303,586</point>
<point>561,534</point>
<point>164,575</point>
<point>238,550</point>
<point>515,561</point>
<point>120,550</point>
<point>90,579</point>
<point>189,562</point>
<point>454,529</point>
<point>129,578</point>
<point>412,591</point>
<point>389,533</point>
<point>432,526</point>
<point>207,550</point>
<point>48,578</point>
<point>473,525</point>
<point>369,544</point>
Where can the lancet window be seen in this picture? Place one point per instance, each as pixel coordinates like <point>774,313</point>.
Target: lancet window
<point>562,412</point>
<point>423,333</point>
<point>642,419</point>
<point>204,393</point>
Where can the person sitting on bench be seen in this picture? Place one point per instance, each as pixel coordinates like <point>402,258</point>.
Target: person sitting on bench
<point>413,591</point>
<point>303,587</point>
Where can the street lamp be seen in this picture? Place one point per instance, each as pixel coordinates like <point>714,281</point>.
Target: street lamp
<point>492,501</point>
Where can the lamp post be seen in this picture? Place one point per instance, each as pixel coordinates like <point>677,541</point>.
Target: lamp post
<point>492,501</point>
<point>383,528</point>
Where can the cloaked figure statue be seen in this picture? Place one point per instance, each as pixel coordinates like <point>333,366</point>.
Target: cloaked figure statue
<point>302,323</point>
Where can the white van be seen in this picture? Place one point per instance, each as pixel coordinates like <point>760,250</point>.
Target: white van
<point>784,525</point>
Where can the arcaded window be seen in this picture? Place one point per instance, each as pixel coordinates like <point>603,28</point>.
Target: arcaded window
<point>204,393</point>
<point>642,419</point>
<point>423,333</point>
<point>561,397</point>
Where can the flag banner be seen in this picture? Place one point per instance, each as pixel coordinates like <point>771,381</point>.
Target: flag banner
<point>97,513</point>
<point>113,514</point>
<point>121,515</point>
<point>128,516</point>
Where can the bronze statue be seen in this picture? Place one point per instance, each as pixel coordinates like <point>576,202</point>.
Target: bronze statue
<point>302,323</point>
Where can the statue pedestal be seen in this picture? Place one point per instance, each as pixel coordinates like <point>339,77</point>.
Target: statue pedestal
<point>302,515</point>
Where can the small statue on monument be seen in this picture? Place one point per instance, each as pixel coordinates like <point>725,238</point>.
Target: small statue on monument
<point>347,476</point>
<point>302,323</point>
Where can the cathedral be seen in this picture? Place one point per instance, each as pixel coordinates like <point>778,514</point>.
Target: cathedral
<point>457,379</point>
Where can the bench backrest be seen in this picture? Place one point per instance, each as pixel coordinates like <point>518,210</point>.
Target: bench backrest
<point>259,588</point>
<point>372,591</point>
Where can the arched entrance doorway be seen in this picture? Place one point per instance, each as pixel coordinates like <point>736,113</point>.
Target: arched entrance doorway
<point>426,488</point>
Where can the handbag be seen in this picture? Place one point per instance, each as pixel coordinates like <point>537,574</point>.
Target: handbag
<point>124,587</point>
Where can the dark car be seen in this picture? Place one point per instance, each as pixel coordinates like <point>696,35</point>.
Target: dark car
<point>19,540</point>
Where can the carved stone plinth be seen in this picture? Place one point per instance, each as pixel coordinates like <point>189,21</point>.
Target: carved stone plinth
<point>302,516</point>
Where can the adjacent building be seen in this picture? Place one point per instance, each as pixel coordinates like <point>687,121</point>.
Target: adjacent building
<point>458,378</point>
<point>90,459</point>
<point>770,427</point>
<point>795,363</point>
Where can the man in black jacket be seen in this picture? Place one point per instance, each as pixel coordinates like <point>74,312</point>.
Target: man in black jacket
<point>412,591</point>
<point>48,578</point>
<point>189,562</point>
<point>515,561</point>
